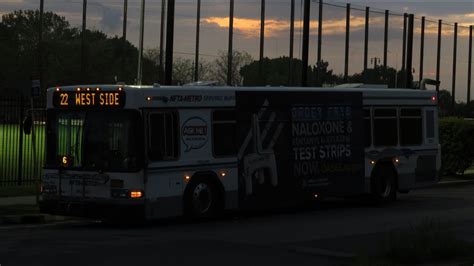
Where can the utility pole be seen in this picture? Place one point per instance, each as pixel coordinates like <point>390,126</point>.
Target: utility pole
<point>374,61</point>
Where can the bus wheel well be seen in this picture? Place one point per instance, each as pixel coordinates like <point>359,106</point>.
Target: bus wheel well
<point>384,169</point>
<point>211,177</point>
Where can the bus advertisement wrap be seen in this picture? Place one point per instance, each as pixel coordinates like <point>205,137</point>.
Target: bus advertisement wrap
<point>295,144</point>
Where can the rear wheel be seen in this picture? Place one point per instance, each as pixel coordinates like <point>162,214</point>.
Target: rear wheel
<point>201,199</point>
<point>384,184</point>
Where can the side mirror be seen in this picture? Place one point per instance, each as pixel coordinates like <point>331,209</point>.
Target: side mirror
<point>27,124</point>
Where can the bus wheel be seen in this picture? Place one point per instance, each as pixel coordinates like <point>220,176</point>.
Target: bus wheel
<point>201,199</point>
<point>384,185</point>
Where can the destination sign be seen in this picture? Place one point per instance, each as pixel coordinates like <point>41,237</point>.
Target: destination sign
<point>89,99</point>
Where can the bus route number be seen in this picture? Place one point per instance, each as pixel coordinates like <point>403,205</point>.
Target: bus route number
<point>64,99</point>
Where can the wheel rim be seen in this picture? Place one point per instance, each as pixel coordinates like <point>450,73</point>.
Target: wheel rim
<point>202,198</point>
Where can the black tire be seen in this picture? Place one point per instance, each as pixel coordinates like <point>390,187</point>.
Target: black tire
<point>201,199</point>
<point>384,184</point>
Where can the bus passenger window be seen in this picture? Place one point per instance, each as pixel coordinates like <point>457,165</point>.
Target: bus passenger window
<point>430,131</point>
<point>224,136</point>
<point>163,136</point>
<point>410,126</point>
<point>385,127</point>
<point>367,128</point>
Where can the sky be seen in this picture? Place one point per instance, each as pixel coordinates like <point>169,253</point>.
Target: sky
<point>106,16</point>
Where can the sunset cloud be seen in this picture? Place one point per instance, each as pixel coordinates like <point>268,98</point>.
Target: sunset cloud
<point>250,27</point>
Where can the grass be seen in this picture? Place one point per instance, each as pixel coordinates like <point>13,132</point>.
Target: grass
<point>16,191</point>
<point>10,153</point>
<point>467,175</point>
<point>18,209</point>
<point>428,242</point>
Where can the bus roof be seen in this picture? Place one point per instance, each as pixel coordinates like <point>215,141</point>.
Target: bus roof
<point>224,96</point>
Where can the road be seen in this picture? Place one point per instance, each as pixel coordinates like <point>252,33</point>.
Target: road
<point>301,237</point>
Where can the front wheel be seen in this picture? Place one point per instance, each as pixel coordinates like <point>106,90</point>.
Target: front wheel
<point>384,185</point>
<point>201,199</point>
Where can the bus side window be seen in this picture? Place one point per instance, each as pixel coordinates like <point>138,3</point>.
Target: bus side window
<point>224,135</point>
<point>367,128</point>
<point>163,136</point>
<point>430,124</point>
<point>385,127</point>
<point>411,129</point>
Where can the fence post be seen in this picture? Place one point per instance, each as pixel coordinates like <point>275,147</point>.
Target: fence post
<point>453,99</point>
<point>422,46</point>
<point>196,56</point>
<point>162,34</point>
<point>348,26</point>
<point>124,40</point>
<point>409,62</point>
<point>385,41</point>
<point>469,69</point>
<point>320,29</point>
<point>305,51</point>
<point>262,36</point>
<point>292,36</point>
<point>20,144</point>
<point>169,42</point>
<point>83,41</point>
<point>438,56</point>
<point>231,38</point>
<point>366,37</point>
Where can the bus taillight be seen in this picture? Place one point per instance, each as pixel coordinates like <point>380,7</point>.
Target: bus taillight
<point>135,194</point>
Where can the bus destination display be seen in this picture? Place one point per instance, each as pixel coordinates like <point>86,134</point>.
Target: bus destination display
<point>89,99</point>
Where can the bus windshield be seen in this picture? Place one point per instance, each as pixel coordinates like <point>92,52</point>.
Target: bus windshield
<point>95,140</point>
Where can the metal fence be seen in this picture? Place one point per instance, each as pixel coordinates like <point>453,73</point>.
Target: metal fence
<point>17,154</point>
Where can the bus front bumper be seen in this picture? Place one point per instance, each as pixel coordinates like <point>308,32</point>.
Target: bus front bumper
<point>96,208</point>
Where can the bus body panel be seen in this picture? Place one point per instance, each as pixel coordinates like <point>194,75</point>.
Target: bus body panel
<point>192,108</point>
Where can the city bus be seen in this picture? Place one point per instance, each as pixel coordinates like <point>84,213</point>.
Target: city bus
<point>147,152</point>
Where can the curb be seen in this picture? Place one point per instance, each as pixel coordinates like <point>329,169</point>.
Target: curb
<point>456,183</point>
<point>22,219</point>
<point>323,252</point>
<point>30,219</point>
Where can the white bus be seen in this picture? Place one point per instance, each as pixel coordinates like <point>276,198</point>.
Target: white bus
<point>161,151</point>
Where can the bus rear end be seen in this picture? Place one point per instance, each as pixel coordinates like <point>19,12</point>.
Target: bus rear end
<point>94,161</point>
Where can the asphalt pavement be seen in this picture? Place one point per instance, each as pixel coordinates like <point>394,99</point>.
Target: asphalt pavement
<point>327,234</point>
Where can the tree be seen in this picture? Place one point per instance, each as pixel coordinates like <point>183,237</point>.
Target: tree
<point>220,68</point>
<point>275,73</point>
<point>61,53</point>
<point>19,49</point>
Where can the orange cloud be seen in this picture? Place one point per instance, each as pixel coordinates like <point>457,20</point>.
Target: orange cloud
<point>250,27</point>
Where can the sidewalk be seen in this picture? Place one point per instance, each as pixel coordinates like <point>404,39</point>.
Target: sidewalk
<point>23,210</point>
